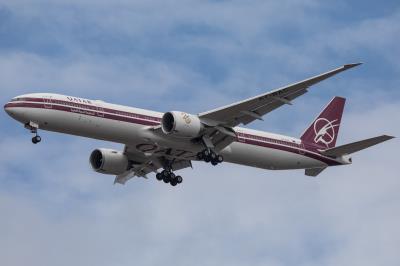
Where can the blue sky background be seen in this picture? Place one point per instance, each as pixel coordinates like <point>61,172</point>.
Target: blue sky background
<point>194,56</point>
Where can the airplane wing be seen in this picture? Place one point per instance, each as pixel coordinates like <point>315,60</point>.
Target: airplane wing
<point>246,111</point>
<point>143,164</point>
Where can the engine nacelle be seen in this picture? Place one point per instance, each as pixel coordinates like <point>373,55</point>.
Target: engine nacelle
<point>109,162</point>
<point>181,124</point>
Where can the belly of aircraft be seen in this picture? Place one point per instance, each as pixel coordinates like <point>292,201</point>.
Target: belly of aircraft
<point>267,158</point>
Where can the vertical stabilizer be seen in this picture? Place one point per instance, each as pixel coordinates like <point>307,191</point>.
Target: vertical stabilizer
<point>325,128</point>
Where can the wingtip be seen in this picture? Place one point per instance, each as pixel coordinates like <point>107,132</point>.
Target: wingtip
<point>347,66</point>
<point>389,137</point>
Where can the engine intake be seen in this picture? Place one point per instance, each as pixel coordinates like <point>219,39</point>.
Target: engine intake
<point>181,124</point>
<point>108,161</point>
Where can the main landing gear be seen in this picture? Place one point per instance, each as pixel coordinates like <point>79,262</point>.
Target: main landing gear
<point>209,155</point>
<point>33,127</point>
<point>169,177</point>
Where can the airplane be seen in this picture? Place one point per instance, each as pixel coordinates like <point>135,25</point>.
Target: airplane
<point>163,143</point>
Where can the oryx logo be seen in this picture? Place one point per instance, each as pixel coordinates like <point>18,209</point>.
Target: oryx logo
<point>186,118</point>
<point>325,131</point>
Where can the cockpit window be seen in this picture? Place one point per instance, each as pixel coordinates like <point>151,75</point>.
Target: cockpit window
<point>15,99</point>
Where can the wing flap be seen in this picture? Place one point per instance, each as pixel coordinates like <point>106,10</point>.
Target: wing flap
<point>269,107</point>
<point>136,170</point>
<point>142,164</point>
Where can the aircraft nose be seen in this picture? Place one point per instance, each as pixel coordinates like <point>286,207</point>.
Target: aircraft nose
<point>7,108</point>
<point>14,112</point>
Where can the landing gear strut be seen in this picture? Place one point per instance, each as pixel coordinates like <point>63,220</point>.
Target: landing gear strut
<point>209,155</point>
<point>33,127</point>
<point>169,177</point>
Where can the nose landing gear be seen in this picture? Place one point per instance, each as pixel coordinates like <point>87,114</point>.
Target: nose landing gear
<point>33,127</point>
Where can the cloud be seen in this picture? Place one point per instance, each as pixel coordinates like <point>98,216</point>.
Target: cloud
<point>194,56</point>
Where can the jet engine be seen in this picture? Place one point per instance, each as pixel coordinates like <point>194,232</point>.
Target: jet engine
<point>181,124</point>
<point>109,162</point>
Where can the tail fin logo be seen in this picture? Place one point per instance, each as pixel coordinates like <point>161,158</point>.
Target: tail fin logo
<point>325,131</point>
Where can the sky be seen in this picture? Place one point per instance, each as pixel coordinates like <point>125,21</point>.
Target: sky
<point>194,56</point>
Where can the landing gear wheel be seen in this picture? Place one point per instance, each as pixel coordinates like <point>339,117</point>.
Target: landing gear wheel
<point>171,176</point>
<point>165,176</point>
<point>166,179</point>
<point>172,179</point>
<point>36,139</point>
<point>208,156</point>
<point>173,182</point>
<point>159,177</point>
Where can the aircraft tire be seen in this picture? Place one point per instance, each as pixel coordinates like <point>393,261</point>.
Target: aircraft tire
<point>165,176</point>
<point>159,177</point>
<point>213,156</point>
<point>36,139</point>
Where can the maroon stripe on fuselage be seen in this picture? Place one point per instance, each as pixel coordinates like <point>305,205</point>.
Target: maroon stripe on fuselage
<point>306,153</point>
<point>73,104</point>
<point>83,112</point>
<point>112,114</point>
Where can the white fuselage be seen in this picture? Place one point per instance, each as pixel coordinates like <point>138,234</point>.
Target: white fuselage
<point>131,126</point>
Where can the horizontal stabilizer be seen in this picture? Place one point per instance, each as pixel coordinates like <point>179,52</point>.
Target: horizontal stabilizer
<point>314,171</point>
<point>355,146</point>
